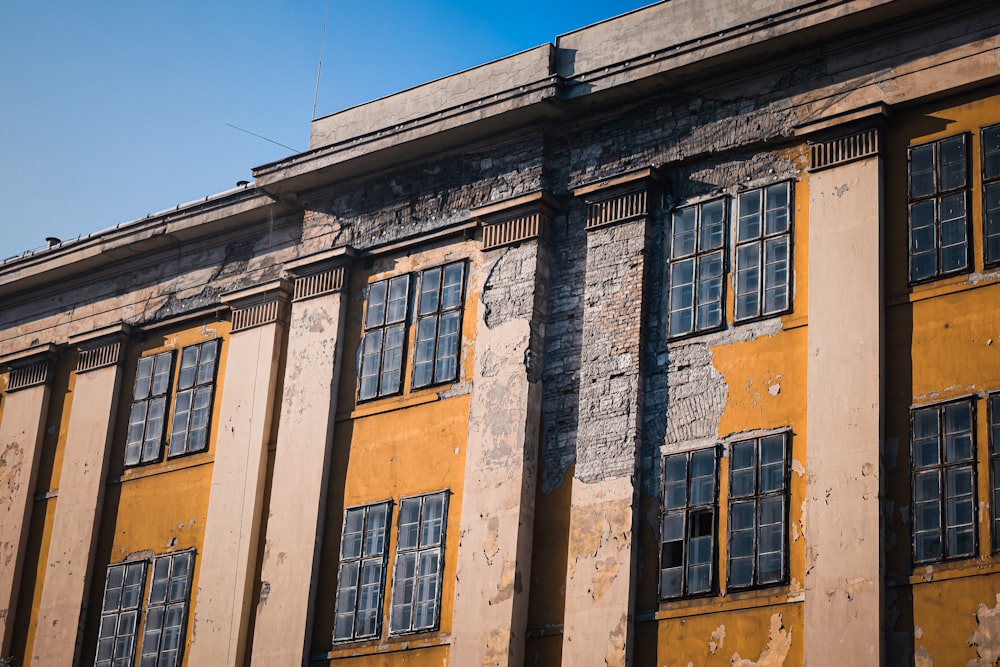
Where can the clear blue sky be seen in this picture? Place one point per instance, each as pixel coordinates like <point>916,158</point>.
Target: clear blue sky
<point>114,109</point>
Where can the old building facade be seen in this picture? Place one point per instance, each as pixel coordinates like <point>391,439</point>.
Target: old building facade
<point>676,341</point>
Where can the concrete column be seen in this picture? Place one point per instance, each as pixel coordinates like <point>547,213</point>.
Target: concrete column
<point>81,495</point>
<point>498,500</point>
<point>844,556</point>
<point>302,462</point>
<point>21,434</point>
<point>601,564</point>
<point>235,506</point>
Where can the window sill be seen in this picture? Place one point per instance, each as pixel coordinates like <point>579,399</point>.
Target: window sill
<point>399,402</point>
<point>944,286</point>
<point>170,465</point>
<point>945,570</point>
<point>761,597</point>
<point>380,646</point>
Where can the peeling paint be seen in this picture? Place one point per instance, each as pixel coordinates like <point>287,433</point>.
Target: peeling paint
<point>986,638</point>
<point>779,641</point>
<point>717,639</point>
<point>922,658</point>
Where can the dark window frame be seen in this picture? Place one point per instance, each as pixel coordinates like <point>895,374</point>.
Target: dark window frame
<point>361,559</point>
<point>398,585</point>
<point>696,256</point>
<point>436,315</point>
<point>758,497</point>
<point>993,434</point>
<point>991,184</point>
<point>115,615</point>
<point>377,332</point>
<point>761,240</point>
<point>942,467</point>
<point>686,511</point>
<point>154,655</point>
<point>208,386</point>
<point>935,198</point>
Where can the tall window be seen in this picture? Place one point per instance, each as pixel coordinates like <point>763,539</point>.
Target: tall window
<point>439,323</point>
<point>144,441</point>
<point>687,552</point>
<point>165,612</point>
<point>938,203</point>
<point>763,251</point>
<point>193,392</point>
<point>120,615</point>
<point>758,511</point>
<point>697,265</point>
<point>944,482</point>
<point>193,402</point>
<point>994,416</point>
<point>361,579</point>
<point>385,338</point>
<point>416,582</point>
<point>991,194</point>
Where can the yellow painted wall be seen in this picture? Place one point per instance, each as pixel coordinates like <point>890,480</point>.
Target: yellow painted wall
<point>394,447</point>
<point>766,380</point>
<point>943,342</point>
<point>157,508</point>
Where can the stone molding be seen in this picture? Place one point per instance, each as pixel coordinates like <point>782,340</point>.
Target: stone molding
<point>101,347</point>
<point>841,150</point>
<point>320,273</point>
<point>259,305</point>
<point>515,220</point>
<point>31,367</point>
<point>618,199</point>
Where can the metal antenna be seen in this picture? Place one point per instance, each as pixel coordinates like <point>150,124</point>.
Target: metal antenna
<point>319,68</point>
<point>277,143</point>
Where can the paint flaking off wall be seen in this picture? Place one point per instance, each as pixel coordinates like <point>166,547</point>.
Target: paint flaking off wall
<point>779,641</point>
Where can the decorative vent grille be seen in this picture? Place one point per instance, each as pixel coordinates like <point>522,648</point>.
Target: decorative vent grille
<point>511,231</point>
<point>98,357</point>
<point>618,209</point>
<point>256,315</point>
<point>843,149</point>
<point>323,282</point>
<point>29,376</point>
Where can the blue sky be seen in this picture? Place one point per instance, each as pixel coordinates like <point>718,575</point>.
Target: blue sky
<point>114,109</point>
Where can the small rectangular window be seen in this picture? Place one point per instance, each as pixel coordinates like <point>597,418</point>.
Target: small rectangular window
<point>763,252</point>
<point>994,416</point>
<point>687,553</point>
<point>439,325</point>
<point>991,194</point>
<point>944,481</point>
<point>193,401</point>
<point>385,338</point>
<point>166,611</point>
<point>938,206</point>
<point>120,615</point>
<point>416,581</point>
<point>697,267</point>
<point>361,578</point>
<point>144,441</point>
<point>758,512</point>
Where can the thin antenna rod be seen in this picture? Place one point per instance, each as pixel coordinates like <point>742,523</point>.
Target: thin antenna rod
<point>277,143</point>
<point>322,48</point>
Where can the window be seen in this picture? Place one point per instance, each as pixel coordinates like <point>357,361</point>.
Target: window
<point>361,578</point>
<point>439,320</point>
<point>687,552</point>
<point>697,264</point>
<point>763,251</point>
<point>192,403</point>
<point>416,581</point>
<point>384,338</point>
<point>994,415</point>
<point>149,405</point>
<point>120,615</point>
<point>991,194</point>
<point>938,193</point>
<point>758,511</point>
<point>166,612</point>
<point>944,488</point>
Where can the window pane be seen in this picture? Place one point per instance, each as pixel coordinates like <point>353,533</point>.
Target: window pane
<point>952,163</point>
<point>748,226</point>
<point>448,336</point>
<point>423,361</point>
<point>710,290</point>
<point>451,293</point>
<point>922,171</point>
<point>398,292</point>
<point>392,361</point>
<point>430,281</point>
<point>375,315</point>
<point>143,378</point>
<point>206,365</point>
<point>371,353</point>
<point>776,210</point>
<point>713,225</point>
<point>992,219</point>
<point>747,280</point>
<point>684,227</point>
<point>991,152</point>
<point>189,362</point>
<point>161,373</point>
